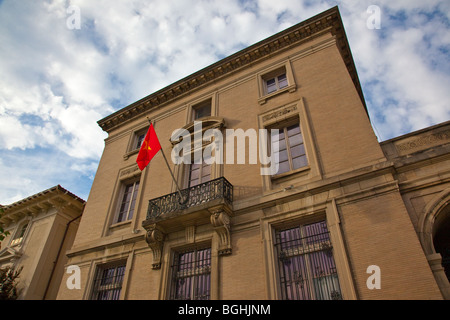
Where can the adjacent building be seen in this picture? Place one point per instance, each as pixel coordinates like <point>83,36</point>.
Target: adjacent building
<point>41,229</point>
<point>343,216</point>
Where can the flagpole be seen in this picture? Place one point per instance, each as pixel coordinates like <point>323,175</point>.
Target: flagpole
<point>182,200</point>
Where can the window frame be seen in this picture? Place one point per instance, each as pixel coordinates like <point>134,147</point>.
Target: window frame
<point>108,287</point>
<point>20,233</point>
<point>283,127</point>
<point>285,114</point>
<point>296,258</point>
<point>139,138</point>
<point>135,141</point>
<point>273,73</point>
<point>206,104</point>
<point>121,199</point>
<point>276,80</point>
<point>190,273</point>
<point>201,176</point>
<point>282,218</point>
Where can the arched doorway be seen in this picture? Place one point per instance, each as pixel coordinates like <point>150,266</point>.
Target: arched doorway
<point>441,238</point>
<point>434,235</point>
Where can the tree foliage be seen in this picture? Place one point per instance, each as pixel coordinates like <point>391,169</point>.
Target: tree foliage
<point>3,233</point>
<point>8,283</point>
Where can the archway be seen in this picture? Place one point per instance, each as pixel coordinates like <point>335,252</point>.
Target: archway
<point>434,235</point>
<point>441,238</point>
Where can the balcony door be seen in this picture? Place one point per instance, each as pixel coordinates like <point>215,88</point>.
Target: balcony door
<point>198,173</point>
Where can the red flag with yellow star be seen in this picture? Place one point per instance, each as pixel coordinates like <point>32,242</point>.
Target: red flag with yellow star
<point>150,146</point>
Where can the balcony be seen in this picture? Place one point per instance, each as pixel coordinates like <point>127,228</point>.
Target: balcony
<point>207,203</point>
<point>200,195</point>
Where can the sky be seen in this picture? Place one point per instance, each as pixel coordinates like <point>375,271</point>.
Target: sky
<point>64,65</point>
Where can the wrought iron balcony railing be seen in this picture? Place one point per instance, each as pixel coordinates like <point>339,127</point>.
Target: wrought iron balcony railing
<point>200,194</point>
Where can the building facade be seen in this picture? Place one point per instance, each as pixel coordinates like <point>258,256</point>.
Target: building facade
<point>41,229</point>
<point>341,216</point>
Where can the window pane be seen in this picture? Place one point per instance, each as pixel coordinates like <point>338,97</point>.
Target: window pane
<point>282,81</point>
<point>298,151</point>
<point>283,167</point>
<point>299,162</point>
<point>107,276</point>
<point>194,182</point>
<point>294,129</point>
<point>295,140</point>
<point>282,144</point>
<point>202,112</point>
<point>195,165</point>
<point>195,173</point>
<point>128,202</point>
<point>206,178</point>
<point>326,283</point>
<point>283,156</point>
<point>271,85</point>
<point>140,139</point>
<point>297,285</point>
<point>133,200</point>
<point>21,233</point>
<point>202,287</point>
<point>206,171</point>
<point>290,238</point>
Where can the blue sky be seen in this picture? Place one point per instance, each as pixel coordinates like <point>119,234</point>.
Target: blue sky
<point>57,81</point>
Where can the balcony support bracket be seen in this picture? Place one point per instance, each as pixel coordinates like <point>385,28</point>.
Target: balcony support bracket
<point>222,226</point>
<point>155,239</point>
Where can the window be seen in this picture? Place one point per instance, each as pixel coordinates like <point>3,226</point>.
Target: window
<point>191,275</point>
<point>135,142</point>
<point>199,173</point>
<point>108,282</point>
<point>139,139</point>
<point>291,151</point>
<point>201,110</point>
<point>276,83</point>
<point>128,202</point>
<point>18,236</point>
<point>275,80</point>
<point>307,270</point>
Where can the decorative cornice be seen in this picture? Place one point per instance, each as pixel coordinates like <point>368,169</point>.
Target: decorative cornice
<point>326,21</point>
<point>57,197</point>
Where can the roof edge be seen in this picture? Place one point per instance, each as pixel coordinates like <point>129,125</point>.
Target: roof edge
<point>238,61</point>
<point>41,194</point>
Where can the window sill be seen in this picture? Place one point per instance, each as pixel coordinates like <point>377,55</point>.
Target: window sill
<point>290,89</point>
<point>130,153</point>
<point>117,225</point>
<point>289,174</point>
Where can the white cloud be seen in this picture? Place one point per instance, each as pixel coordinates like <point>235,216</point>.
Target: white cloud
<point>403,66</point>
<point>57,83</point>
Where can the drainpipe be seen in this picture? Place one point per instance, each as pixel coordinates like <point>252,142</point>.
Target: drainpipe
<point>59,253</point>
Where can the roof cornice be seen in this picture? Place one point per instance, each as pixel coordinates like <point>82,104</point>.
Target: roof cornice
<point>31,206</point>
<point>326,21</point>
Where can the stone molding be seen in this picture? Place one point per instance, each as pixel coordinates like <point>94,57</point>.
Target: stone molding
<point>328,21</point>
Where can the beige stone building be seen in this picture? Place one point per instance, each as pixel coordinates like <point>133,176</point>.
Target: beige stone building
<point>343,217</point>
<point>41,229</point>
